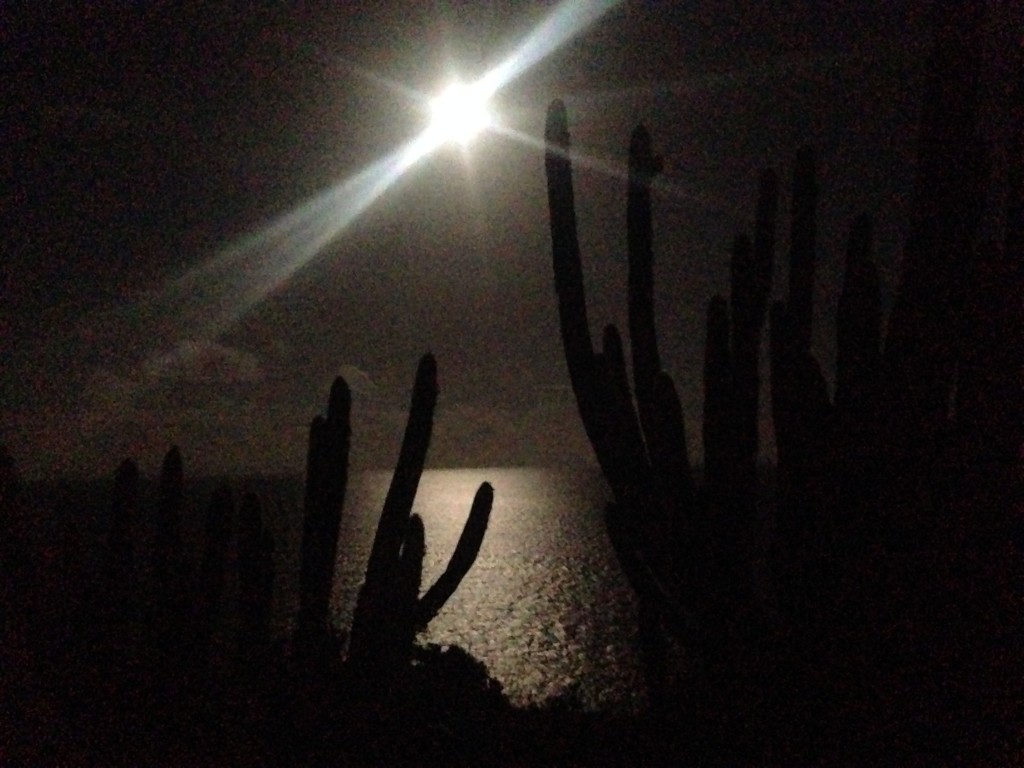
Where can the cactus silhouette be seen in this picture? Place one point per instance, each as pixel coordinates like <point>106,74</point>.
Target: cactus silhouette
<point>326,481</point>
<point>389,610</point>
<point>171,581</point>
<point>255,579</point>
<point>212,569</point>
<point>168,520</point>
<point>658,523</point>
<point>120,553</point>
<point>863,478</point>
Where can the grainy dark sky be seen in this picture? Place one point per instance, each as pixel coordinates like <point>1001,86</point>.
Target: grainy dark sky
<point>142,144</point>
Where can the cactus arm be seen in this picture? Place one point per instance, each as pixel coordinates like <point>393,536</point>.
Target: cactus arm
<point>255,578</point>
<point>124,509</point>
<point>858,366</point>
<point>624,430</point>
<point>120,561</point>
<point>565,243</point>
<point>126,500</point>
<point>858,323</point>
<point>462,558</point>
<point>751,286</point>
<point>764,239</point>
<point>666,442</point>
<point>661,420</point>
<point>408,578</point>
<point>211,579</point>
<point>790,331</point>
<point>167,544</point>
<point>801,410</point>
<point>168,521</point>
<point>990,398</point>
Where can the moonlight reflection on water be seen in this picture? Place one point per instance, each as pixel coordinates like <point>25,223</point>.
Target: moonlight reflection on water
<point>545,606</point>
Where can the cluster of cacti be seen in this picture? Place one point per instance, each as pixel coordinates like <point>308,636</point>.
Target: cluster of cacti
<point>390,610</point>
<point>886,445</point>
<point>184,607</point>
<point>210,586</point>
<point>659,522</point>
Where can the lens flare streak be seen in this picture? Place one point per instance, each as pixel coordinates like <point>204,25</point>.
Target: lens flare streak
<point>564,23</point>
<point>211,297</point>
<point>245,272</point>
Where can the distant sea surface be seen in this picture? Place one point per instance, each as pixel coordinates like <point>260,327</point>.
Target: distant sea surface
<point>545,606</point>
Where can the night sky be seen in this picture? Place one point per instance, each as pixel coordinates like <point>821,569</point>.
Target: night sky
<point>145,145</point>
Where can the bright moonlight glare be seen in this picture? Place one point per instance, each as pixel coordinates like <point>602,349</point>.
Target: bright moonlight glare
<point>459,113</point>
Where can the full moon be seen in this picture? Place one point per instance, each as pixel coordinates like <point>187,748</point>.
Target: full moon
<point>459,113</point>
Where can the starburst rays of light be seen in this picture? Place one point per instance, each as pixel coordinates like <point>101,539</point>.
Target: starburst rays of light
<point>565,22</point>
<point>217,293</point>
<point>224,288</point>
<point>208,300</point>
<point>614,169</point>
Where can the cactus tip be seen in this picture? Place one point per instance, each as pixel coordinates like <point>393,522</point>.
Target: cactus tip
<point>556,131</point>
<point>426,373</point>
<point>127,471</point>
<point>641,154</point>
<point>340,401</point>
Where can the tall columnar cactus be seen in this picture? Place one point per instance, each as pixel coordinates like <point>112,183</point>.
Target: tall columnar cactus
<point>643,456</point>
<point>751,283</point>
<point>120,555</point>
<point>255,579</point>
<point>731,362</point>
<point>828,465</point>
<point>858,367</point>
<point>326,481</point>
<point>989,400</point>
<point>800,408</point>
<point>921,347</point>
<point>212,570</point>
<point>168,556</point>
<point>389,610</point>
<point>690,553</point>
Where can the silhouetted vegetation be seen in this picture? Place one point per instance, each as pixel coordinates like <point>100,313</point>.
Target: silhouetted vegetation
<point>389,611</point>
<point>862,606</point>
<point>879,630</point>
<point>129,665</point>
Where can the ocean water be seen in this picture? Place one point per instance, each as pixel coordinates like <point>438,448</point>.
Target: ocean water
<point>545,606</point>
